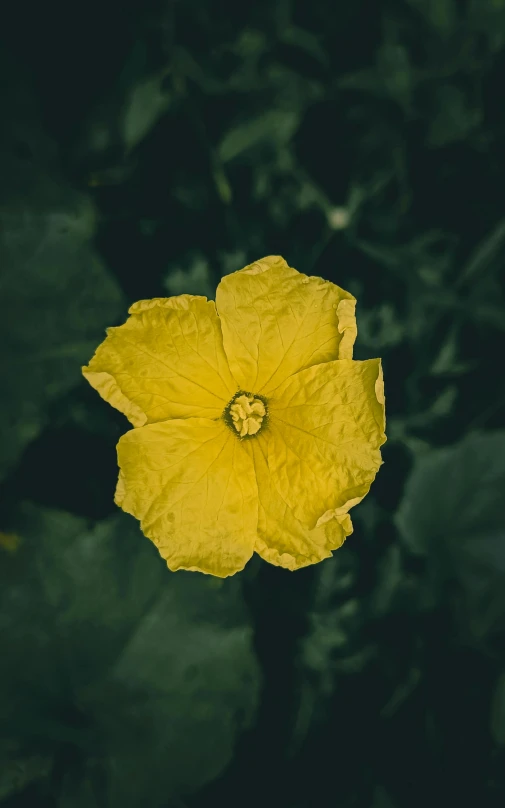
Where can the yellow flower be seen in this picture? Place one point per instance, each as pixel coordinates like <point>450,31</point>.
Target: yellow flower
<point>255,431</point>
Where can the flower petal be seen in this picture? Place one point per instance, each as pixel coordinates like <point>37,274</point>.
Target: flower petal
<point>326,425</point>
<point>192,486</point>
<point>277,321</point>
<point>282,539</point>
<point>166,361</point>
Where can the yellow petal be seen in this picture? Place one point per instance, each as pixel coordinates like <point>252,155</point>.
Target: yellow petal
<point>166,361</point>
<point>192,486</point>
<point>282,539</point>
<point>277,321</point>
<point>326,425</point>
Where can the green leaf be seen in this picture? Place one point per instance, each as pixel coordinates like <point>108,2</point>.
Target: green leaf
<point>447,361</point>
<point>193,277</point>
<point>455,118</point>
<point>455,494</point>
<point>453,513</point>
<point>391,582</point>
<point>486,256</point>
<point>393,65</point>
<point>57,298</point>
<point>488,16</point>
<point>277,126</point>
<point>380,327</point>
<point>148,675</point>
<point>334,622</point>
<point>442,14</point>
<point>18,770</point>
<point>147,101</point>
<point>305,40</point>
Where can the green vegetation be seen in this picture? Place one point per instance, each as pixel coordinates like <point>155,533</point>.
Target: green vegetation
<point>146,149</point>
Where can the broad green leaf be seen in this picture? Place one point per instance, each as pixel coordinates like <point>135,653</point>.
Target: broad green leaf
<point>148,675</point>
<point>56,295</point>
<point>453,513</point>
<point>455,494</point>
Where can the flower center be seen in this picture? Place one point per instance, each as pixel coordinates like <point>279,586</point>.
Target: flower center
<point>246,413</point>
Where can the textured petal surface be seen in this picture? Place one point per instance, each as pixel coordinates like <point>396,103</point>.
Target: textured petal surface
<point>277,321</point>
<point>282,539</point>
<point>192,486</point>
<point>166,361</point>
<point>326,425</point>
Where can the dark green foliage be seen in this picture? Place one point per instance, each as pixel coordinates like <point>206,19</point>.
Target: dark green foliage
<point>132,680</point>
<point>148,148</point>
<point>56,295</point>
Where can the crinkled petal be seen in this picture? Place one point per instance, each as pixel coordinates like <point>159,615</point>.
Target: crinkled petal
<point>277,321</point>
<point>326,425</point>
<point>282,539</point>
<point>192,486</point>
<point>166,361</point>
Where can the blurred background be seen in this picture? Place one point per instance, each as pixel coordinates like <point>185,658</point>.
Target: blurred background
<point>147,147</point>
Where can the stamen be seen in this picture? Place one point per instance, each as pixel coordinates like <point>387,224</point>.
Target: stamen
<point>247,413</point>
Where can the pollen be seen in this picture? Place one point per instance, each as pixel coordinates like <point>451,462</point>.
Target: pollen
<point>247,413</point>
